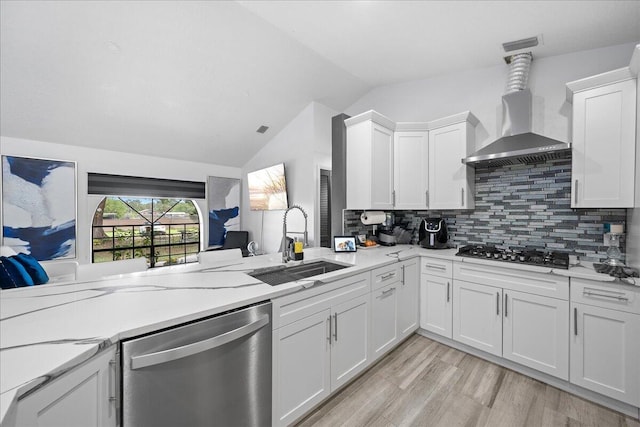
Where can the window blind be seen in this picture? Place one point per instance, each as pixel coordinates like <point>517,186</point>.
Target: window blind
<point>121,185</point>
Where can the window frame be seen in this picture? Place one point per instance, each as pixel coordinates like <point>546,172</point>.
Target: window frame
<point>150,250</point>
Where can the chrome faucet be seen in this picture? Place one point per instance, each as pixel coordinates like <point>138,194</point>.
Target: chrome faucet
<point>286,250</point>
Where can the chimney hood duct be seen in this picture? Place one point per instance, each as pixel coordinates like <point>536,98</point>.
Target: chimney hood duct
<point>518,144</point>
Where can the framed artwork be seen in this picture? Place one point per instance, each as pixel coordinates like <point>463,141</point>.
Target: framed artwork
<point>39,207</point>
<point>223,203</point>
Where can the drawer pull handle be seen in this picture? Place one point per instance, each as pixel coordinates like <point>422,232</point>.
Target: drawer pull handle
<point>437,267</point>
<point>498,303</point>
<point>448,285</point>
<point>596,294</point>
<point>575,321</point>
<point>575,197</point>
<point>387,292</point>
<point>388,276</point>
<point>335,327</point>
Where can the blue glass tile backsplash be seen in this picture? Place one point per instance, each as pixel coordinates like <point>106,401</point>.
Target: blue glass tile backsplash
<point>519,206</point>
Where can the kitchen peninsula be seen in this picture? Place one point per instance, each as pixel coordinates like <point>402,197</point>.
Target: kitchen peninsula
<point>49,330</point>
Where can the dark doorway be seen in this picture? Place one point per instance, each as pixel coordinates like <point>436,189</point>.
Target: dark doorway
<point>325,208</point>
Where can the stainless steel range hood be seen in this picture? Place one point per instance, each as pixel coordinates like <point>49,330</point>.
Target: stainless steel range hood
<point>518,144</point>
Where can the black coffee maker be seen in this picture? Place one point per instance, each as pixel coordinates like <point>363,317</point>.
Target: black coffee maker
<point>433,234</point>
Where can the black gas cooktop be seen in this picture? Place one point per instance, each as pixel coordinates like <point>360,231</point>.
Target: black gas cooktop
<point>519,256</point>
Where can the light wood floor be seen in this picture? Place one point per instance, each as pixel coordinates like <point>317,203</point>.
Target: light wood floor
<point>425,383</point>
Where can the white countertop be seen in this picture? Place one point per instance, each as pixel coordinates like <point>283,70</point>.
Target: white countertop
<point>49,329</point>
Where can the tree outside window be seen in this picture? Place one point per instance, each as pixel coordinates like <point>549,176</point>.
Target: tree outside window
<point>164,231</point>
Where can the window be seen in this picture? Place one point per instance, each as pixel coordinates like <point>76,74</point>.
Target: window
<point>164,231</point>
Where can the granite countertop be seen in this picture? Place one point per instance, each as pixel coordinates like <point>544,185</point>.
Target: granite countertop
<point>47,330</point>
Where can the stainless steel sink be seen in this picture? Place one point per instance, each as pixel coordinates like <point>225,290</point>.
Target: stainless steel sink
<point>283,273</point>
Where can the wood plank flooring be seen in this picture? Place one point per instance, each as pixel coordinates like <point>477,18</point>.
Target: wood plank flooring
<point>425,383</point>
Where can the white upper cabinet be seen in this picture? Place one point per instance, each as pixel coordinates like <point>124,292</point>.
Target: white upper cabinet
<point>451,183</point>
<point>369,161</point>
<point>409,165</point>
<point>604,140</point>
<point>410,169</point>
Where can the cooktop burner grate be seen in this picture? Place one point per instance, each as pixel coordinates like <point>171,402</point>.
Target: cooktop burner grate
<point>526,256</point>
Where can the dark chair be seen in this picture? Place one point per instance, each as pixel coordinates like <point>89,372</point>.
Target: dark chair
<point>237,239</point>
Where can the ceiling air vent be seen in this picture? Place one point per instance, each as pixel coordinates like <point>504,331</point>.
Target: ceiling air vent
<point>520,44</point>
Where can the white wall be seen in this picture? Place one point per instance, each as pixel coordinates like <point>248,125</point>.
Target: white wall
<point>304,146</point>
<point>112,162</point>
<point>480,91</point>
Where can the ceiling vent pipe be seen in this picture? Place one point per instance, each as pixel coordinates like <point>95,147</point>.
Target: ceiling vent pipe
<point>519,67</point>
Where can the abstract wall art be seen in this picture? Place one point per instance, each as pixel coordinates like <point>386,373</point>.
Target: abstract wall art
<point>39,207</point>
<point>223,197</point>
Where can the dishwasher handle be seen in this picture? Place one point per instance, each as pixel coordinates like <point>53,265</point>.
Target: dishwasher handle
<point>172,354</point>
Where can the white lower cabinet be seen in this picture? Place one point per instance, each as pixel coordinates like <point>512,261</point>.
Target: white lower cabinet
<point>325,336</point>
<point>384,319</point>
<point>436,307</point>
<point>408,299</point>
<point>477,316</point>
<point>394,305</point>
<point>302,376</point>
<point>535,331</point>
<point>605,339</point>
<point>320,342</point>
<point>79,398</point>
<point>349,332</point>
<point>524,327</point>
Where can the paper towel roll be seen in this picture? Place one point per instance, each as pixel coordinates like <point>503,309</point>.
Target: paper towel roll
<point>372,217</point>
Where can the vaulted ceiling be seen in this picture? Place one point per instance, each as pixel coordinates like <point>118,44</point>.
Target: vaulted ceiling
<point>194,80</point>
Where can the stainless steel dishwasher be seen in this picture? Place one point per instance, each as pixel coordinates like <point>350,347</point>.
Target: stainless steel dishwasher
<point>212,372</point>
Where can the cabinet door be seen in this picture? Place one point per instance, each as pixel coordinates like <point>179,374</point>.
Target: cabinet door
<point>301,374</point>
<point>603,149</point>
<point>384,318</point>
<point>408,299</point>
<point>450,181</point>
<point>381,167</point>
<point>536,332</point>
<point>435,305</point>
<point>349,351</point>
<point>80,397</point>
<point>410,169</point>
<point>605,352</point>
<point>369,161</point>
<point>477,316</point>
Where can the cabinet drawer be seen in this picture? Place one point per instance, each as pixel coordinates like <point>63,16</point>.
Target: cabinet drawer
<point>613,296</point>
<point>382,276</point>
<point>437,267</point>
<point>297,306</point>
<point>543,284</point>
